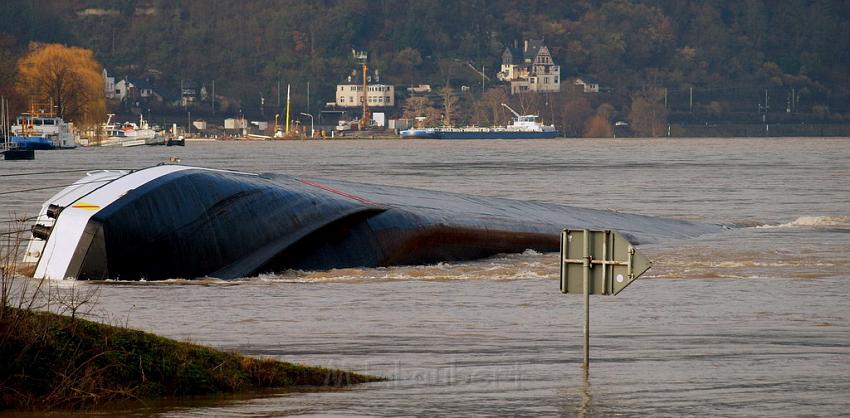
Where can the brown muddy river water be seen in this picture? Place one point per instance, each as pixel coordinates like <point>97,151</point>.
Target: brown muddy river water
<point>751,322</point>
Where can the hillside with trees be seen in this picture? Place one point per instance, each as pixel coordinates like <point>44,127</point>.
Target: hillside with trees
<point>707,60</point>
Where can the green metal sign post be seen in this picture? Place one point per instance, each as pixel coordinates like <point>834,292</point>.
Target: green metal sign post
<point>597,262</point>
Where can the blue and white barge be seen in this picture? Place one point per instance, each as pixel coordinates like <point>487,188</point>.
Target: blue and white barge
<point>521,127</point>
<point>42,131</point>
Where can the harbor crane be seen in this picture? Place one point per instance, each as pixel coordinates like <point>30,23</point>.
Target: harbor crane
<point>361,57</point>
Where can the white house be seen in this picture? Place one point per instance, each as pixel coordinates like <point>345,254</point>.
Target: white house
<point>420,89</point>
<point>135,89</point>
<point>108,85</point>
<point>188,92</point>
<point>351,95</point>
<point>534,72</point>
<point>588,86</point>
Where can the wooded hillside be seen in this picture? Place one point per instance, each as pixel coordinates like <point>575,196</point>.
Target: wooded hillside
<point>729,52</point>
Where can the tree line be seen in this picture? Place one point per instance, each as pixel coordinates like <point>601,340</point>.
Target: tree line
<point>631,47</point>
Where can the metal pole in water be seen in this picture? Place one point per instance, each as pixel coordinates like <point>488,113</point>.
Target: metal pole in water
<point>587,259</point>
<point>620,265</point>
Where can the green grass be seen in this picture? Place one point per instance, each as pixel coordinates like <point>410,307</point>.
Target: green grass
<point>49,361</point>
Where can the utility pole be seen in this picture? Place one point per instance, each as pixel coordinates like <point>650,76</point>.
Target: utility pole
<point>766,106</point>
<point>764,115</point>
<point>308,96</point>
<point>482,79</point>
<point>665,97</point>
<point>312,127</point>
<point>213,97</point>
<point>797,103</point>
<point>3,122</point>
<point>793,100</point>
<point>691,100</point>
<point>262,105</point>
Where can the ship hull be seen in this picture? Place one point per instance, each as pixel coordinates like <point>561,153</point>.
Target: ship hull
<point>32,142</point>
<point>494,135</point>
<point>185,222</point>
<point>417,134</point>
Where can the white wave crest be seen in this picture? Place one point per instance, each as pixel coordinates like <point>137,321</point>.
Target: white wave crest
<point>813,221</point>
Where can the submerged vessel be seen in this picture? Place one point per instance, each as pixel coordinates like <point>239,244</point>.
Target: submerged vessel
<point>521,127</point>
<point>176,221</point>
<point>40,130</point>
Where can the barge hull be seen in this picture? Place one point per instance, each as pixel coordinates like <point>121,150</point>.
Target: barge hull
<point>494,135</point>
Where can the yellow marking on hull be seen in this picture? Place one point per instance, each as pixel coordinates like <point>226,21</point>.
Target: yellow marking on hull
<point>85,206</point>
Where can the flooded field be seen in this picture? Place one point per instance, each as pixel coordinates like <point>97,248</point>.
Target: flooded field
<point>750,322</point>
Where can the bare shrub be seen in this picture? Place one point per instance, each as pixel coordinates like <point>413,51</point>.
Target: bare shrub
<point>77,298</point>
<point>16,291</point>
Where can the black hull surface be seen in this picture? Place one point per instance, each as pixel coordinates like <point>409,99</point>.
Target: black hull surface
<point>197,223</point>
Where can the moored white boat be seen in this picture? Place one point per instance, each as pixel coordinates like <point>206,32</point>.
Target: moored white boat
<point>40,130</point>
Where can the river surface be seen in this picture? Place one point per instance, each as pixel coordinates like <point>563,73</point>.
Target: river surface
<point>751,322</point>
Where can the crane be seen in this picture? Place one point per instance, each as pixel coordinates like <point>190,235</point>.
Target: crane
<point>361,57</point>
<point>512,111</point>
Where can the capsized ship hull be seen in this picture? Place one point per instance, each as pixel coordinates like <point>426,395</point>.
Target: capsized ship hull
<point>173,221</point>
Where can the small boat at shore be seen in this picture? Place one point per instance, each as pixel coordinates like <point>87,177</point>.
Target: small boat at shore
<point>177,221</point>
<point>127,134</point>
<point>521,127</point>
<point>130,134</point>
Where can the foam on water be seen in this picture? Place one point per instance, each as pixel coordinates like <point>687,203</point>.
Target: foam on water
<point>528,265</point>
<point>813,221</point>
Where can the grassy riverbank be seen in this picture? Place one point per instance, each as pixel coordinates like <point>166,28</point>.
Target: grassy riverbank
<point>52,361</point>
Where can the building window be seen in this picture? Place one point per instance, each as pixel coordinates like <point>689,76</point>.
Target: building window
<point>341,99</point>
<point>387,99</point>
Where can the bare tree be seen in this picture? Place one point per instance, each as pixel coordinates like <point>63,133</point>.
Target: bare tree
<point>449,102</point>
<point>420,107</point>
<point>647,115</point>
<point>489,109</point>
